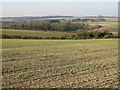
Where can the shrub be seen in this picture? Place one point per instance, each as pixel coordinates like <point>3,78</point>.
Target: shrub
<point>84,35</point>
<point>97,35</point>
<point>107,36</point>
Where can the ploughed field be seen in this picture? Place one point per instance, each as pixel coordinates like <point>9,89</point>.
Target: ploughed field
<point>60,63</point>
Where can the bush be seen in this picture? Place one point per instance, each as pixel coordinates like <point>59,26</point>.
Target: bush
<point>84,35</point>
<point>107,36</point>
<point>97,35</point>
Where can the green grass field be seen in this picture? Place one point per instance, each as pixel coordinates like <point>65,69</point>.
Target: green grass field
<point>60,63</point>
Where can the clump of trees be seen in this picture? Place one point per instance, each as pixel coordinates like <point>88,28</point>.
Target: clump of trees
<point>94,34</point>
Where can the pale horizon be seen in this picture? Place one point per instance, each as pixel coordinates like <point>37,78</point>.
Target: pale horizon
<point>21,9</point>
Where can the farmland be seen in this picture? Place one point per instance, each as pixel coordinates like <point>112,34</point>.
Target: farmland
<point>51,45</point>
<point>110,23</point>
<point>81,62</point>
<point>60,63</point>
<point>31,33</point>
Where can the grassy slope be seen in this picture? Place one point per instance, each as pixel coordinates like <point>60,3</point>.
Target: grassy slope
<point>62,63</point>
<point>33,33</point>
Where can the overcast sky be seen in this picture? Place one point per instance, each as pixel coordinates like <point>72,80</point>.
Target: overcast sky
<point>25,8</point>
<point>60,0</point>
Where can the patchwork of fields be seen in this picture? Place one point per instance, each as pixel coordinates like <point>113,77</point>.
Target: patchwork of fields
<point>60,63</point>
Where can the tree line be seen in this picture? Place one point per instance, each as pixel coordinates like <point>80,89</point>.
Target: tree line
<point>48,25</point>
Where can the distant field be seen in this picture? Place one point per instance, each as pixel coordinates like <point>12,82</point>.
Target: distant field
<point>60,63</point>
<point>43,34</point>
<point>110,23</point>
